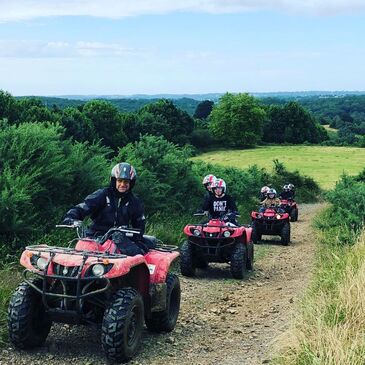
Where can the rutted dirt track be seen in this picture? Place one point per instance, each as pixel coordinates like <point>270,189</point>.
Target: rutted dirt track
<point>222,321</point>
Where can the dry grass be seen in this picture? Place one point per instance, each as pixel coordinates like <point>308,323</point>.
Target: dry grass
<point>330,329</point>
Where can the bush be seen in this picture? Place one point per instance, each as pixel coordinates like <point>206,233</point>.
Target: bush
<point>166,182</point>
<point>42,175</point>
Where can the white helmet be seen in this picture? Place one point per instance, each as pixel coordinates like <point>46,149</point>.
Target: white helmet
<point>265,189</point>
<point>271,192</point>
<point>219,183</point>
<point>286,187</point>
<point>208,179</point>
<point>291,186</point>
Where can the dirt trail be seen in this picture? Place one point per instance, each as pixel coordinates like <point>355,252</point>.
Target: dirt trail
<point>222,321</point>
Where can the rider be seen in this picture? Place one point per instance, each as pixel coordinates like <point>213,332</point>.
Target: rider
<point>292,189</point>
<point>271,200</point>
<point>220,204</point>
<point>287,193</point>
<point>113,206</point>
<point>263,192</point>
<point>208,182</point>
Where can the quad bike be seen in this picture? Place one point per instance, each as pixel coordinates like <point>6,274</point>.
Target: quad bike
<point>273,221</point>
<point>94,283</point>
<point>290,206</point>
<point>217,241</point>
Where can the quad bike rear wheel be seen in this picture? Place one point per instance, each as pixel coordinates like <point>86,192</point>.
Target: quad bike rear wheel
<point>239,260</point>
<point>187,266</point>
<point>122,325</point>
<point>166,320</point>
<point>28,322</point>
<point>285,234</point>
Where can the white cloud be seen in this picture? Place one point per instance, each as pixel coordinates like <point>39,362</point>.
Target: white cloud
<point>16,10</point>
<point>41,49</point>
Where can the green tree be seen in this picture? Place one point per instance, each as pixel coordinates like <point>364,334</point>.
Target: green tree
<point>166,182</point>
<point>8,107</point>
<point>203,109</point>
<point>77,125</point>
<point>163,118</point>
<point>292,123</point>
<point>106,120</point>
<point>237,119</point>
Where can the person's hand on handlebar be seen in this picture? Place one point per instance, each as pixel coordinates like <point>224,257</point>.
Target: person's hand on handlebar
<point>72,222</point>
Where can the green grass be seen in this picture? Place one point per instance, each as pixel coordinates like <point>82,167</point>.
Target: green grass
<point>324,164</point>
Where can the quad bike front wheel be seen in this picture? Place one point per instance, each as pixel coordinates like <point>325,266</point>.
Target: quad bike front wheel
<point>122,325</point>
<point>256,235</point>
<point>294,215</point>
<point>28,322</point>
<point>187,266</point>
<point>250,255</point>
<point>285,234</point>
<point>166,320</point>
<point>239,260</point>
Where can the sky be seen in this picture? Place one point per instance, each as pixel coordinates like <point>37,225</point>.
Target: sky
<point>125,47</point>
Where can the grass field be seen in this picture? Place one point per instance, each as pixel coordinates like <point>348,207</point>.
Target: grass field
<point>324,164</point>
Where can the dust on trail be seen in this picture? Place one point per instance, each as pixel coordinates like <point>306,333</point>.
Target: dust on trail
<point>222,320</point>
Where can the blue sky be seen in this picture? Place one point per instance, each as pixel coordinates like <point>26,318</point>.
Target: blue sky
<point>64,47</point>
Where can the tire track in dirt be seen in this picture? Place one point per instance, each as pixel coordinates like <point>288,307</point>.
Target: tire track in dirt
<point>222,320</point>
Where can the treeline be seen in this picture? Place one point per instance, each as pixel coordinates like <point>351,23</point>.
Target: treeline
<point>346,113</point>
<point>122,104</point>
<point>236,120</point>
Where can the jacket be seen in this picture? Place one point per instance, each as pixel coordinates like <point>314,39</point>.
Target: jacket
<point>108,209</point>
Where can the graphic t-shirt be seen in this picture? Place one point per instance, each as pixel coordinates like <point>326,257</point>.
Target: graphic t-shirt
<point>217,207</point>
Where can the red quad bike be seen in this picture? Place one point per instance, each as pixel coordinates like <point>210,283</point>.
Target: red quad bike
<point>273,221</point>
<point>95,284</point>
<point>290,206</point>
<point>217,241</point>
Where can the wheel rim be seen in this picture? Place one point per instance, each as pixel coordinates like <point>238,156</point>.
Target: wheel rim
<point>174,305</point>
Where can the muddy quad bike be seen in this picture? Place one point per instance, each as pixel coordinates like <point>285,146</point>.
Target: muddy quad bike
<point>273,221</point>
<point>94,283</point>
<point>290,206</point>
<point>217,241</point>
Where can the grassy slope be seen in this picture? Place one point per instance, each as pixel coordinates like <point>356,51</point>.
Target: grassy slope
<point>330,328</point>
<point>324,164</point>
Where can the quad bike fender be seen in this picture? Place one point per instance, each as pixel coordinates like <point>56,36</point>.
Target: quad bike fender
<point>119,266</point>
<point>187,230</point>
<point>159,264</point>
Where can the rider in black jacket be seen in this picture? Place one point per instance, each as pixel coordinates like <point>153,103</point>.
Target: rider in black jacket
<point>113,206</point>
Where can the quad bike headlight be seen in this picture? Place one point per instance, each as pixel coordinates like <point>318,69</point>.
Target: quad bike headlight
<point>196,232</point>
<point>278,216</point>
<point>41,263</point>
<point>226,233</point>
<point>98,270</point>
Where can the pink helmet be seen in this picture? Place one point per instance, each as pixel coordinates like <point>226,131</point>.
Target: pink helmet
<point>265,189</point>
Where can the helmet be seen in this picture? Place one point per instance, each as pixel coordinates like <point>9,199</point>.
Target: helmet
<point>286,187</point>
<point>264,189</point>
<point>271,192</point>
<point>219,183</point>
<point>124,171</point>
<point>291,187</point>
<point>208,181</point>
